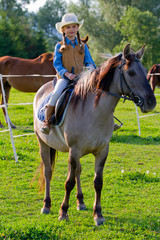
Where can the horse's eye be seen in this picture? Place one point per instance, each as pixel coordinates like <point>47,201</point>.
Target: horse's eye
<point>131,72</point>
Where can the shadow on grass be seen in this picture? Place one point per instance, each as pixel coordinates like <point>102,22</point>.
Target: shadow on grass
<point>127,226</point>
<point>134,139</point>
<point>30,233</point>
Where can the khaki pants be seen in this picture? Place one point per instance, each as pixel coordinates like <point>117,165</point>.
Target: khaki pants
<point>60,86</point>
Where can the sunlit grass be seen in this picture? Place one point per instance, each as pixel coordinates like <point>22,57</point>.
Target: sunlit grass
<point>130,195</point>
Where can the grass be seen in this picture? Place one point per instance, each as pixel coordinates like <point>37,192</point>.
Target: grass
<point>130,195</point>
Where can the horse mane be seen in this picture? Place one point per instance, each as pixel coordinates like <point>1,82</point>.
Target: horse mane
<point>93,80</point>
<point>45,57</point>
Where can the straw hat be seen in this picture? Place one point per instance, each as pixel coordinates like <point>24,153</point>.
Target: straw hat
<point>68,18</point>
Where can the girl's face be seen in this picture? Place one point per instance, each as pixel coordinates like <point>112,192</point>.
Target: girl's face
<point>71,30</point>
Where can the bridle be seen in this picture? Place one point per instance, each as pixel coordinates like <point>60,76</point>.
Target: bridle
<point>131,96</point>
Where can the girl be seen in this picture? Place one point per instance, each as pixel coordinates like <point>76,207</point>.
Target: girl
<point>70,56</point>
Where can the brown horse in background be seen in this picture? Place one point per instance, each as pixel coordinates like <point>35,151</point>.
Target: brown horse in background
<point>42,65</point>
<point>154,79</point>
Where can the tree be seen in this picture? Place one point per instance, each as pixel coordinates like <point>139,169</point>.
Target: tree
<point>17,37</point>
<point>47,17</point>
<point>102,35</point>
<point>12,8</point>
<point>138,28</point>
<point>6,43</point>
<point>113,10</point>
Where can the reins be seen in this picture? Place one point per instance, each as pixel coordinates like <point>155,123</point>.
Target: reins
<point>132,97</point>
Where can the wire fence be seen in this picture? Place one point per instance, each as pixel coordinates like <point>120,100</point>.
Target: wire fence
<point>27,134</point>
<point>7,115</point>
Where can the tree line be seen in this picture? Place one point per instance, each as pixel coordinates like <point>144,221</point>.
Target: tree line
<point>110,25</point>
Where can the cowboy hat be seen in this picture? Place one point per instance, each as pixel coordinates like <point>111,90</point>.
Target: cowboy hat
<point>68,18</point>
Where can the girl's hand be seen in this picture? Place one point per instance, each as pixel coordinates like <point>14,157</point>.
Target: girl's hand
<point>71,76</point>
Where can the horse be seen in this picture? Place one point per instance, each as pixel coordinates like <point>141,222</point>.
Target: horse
<point>155,78</point>
<point>42,65</point>
<point>89,122</point>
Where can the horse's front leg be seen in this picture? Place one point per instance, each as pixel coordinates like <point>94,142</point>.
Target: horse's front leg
<point>80,202</point>
<point>69,185</point>
<point>98,184</point>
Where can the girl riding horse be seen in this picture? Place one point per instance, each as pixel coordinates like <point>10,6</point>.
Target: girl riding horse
<point>70,56</point>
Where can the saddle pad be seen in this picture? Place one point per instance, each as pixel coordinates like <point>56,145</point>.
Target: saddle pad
<point>42,109</point>
<point>61,107</point>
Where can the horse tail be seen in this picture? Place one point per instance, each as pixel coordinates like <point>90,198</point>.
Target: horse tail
<point>40,171</point>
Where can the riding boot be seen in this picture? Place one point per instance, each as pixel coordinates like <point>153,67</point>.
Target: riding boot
<point>46,125</point>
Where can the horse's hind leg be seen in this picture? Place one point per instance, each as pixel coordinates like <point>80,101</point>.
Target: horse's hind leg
<point>98,183</point>
<point>48,158</point>
<point>73,164</point>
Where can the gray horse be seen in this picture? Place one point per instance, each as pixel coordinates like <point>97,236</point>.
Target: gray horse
<point>89,123</point>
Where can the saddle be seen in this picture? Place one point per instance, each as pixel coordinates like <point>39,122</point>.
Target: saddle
<point>61,105</point>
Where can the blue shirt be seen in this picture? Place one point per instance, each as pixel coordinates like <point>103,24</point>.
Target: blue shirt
<point>57,61</point>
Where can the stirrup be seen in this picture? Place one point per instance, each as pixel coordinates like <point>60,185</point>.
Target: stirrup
<point>116,126</point>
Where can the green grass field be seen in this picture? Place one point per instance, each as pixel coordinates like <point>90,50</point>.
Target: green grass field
<point>130,195</point>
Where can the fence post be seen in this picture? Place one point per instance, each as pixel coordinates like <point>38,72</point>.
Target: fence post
<point>8,120</point>
<point>139,129</point>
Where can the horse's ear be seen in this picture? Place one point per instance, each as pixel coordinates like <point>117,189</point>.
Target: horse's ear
<point>140,53</point>
<point>126,51</point>
<point>85,39</point>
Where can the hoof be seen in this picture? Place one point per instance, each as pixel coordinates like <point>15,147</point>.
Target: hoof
<point>45,210</point>
<point>99,221</point>
<point>13,126</point>
<point>63,217</point>
<point>1,125</point>
<point>81,207</point>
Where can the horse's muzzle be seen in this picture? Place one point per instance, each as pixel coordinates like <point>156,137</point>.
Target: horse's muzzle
<point>139,101</point>
<point>149,104</point>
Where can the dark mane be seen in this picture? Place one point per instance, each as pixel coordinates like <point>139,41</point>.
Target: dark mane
<point>91,81</point>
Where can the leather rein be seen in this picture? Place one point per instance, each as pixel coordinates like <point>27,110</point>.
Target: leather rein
<point>132,97</point>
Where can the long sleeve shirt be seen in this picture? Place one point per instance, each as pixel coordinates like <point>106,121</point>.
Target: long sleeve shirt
<point>57,61</point>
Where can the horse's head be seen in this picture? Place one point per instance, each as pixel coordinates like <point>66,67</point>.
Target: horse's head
<point>133,81</point>
<point>120,75</point>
